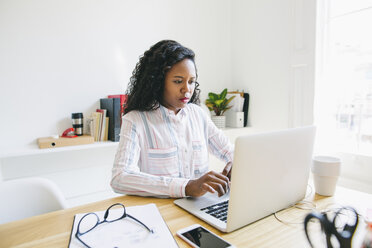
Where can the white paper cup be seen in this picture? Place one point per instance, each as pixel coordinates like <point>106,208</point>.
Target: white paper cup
<point>326,171</point>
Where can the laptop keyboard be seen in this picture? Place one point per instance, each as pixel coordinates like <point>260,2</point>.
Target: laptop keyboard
<point>218,210</point>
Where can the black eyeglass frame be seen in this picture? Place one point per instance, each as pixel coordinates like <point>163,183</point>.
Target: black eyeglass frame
<point>78,234</point>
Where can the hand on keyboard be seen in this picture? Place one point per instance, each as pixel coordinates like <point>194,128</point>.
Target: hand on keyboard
<point>210,182</point>
<point>227,170</point>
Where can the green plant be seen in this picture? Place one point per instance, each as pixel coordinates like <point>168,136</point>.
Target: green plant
<point>218,102</point>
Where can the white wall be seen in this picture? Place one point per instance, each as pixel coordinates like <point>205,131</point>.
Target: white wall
<point>59,57</point>
<point>273,47</point>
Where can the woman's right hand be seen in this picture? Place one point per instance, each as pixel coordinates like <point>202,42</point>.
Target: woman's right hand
<point>210,182</point>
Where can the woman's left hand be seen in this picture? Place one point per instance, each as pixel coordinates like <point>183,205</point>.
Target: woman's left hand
<point>227,170</point>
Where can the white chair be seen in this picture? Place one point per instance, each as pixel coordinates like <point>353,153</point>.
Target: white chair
<point>26,197</point>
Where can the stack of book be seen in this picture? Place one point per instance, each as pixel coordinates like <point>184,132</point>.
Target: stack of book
<point>105,123</point>
<point>115,107</point>
<point>98,125</point>
<point>123,100</point>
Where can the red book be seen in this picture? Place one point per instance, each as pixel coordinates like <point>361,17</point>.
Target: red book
<point>123,101</point>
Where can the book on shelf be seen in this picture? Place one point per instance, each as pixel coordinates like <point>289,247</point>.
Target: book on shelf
<point>246,108</point>
<point>123,100</point>
<point>97,125</point>
<point>96,116</point>
<point>112,105</point>
<point>102,125</point>
<point>106,129</point>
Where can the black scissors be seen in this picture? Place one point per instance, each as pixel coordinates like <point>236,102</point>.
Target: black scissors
<point>344,236</point>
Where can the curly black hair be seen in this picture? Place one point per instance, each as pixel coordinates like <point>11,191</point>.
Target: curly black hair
<point>146,87</point>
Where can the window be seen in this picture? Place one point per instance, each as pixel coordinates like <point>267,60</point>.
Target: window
<point>343,94</point>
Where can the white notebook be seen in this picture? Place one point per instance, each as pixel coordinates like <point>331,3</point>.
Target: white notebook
<point>127,233</point>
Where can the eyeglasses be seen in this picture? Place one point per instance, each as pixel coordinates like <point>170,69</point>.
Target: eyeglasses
<point>106,218</point>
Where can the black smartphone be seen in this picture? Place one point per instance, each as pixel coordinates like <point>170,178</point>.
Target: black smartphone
<point>199,237</point>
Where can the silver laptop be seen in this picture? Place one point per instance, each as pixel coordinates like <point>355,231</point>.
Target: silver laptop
<point>270,173</point>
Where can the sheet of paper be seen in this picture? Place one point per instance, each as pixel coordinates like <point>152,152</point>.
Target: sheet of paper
<point>127,232</point>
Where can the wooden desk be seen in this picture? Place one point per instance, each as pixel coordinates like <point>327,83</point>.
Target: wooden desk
<point>53,229</point>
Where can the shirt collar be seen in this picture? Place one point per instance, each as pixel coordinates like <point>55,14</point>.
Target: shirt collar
<point>181,114</point>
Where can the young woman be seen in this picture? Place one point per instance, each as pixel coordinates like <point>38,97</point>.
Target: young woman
<point>165,136</point>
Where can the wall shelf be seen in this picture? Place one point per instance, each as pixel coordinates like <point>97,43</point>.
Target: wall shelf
<point>35,150</point>
<point>9,152</point>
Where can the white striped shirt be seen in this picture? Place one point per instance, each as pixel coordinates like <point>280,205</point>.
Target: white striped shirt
<point>160,151</point>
